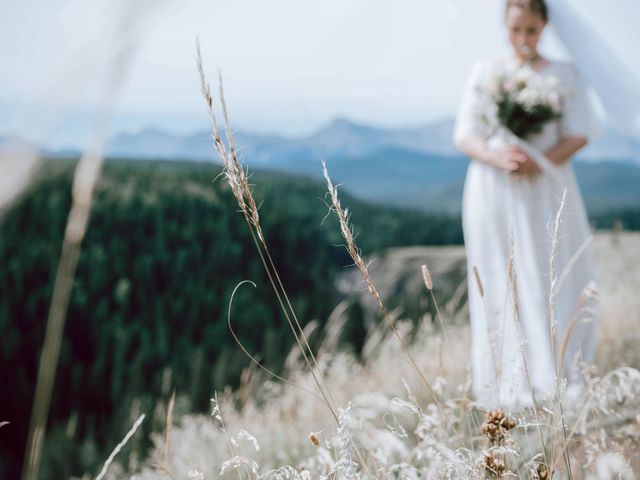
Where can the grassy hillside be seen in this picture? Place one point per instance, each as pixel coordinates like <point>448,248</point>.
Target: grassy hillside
<point>164,249</point>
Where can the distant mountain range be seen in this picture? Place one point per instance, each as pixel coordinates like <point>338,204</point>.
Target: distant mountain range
<point>340,138</point>
<point>411,167</point>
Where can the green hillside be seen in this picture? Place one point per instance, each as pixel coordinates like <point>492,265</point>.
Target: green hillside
<point>165,247</point>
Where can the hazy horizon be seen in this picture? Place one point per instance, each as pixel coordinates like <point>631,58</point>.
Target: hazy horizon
<point>288,68</point>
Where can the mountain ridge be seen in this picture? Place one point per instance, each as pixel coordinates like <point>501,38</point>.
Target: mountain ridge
<point>339,137</point>
<point>408,167</point>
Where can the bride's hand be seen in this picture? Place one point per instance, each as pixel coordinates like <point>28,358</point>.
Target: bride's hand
<point>510,158</point>
<point>529,168</point>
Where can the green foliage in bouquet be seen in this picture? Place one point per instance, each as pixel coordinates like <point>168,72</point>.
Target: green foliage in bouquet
<point>524,121</point>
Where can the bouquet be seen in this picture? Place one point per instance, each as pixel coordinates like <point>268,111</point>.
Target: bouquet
<point>525,100</point>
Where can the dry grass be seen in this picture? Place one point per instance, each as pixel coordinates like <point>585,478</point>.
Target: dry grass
<point>619,283</point>
<point>84,182</point>
<point>238,179</point>
<point>392,418</point>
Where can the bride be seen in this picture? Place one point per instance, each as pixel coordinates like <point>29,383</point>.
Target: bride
<point>526,233</point>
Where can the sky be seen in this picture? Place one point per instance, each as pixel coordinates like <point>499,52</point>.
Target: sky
<point>288,66</point>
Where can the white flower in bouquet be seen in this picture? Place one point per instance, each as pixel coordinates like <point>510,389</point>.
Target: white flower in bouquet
<point>525,100</point>
<point>524,76</point>
<point>495,82</point>
<point>551,82</point>
<point>555,100</point>
<point>529,97</point>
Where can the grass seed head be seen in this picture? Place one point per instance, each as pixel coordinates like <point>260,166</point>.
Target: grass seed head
<point>541,472</point>
<point>494,467</point>
<point>427,278</point>
<point>497,426</point>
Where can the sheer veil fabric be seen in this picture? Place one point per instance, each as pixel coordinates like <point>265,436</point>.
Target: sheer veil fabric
<point>599,62</point>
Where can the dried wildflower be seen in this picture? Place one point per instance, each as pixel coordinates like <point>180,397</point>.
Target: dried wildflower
<point>541,472</point>
<point>244,435</point>
<point>216,413</point>
<point>344,466</point>
<point>195,475</point>
<point>496,427</point>
<point>120,446</point>
<point>240,464</point>
<point>285,473</point>
<point>305,475</point>
<point>495,467</point>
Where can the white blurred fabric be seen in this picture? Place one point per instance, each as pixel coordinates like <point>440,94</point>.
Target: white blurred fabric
<point>615,78</point>
<point>504,215</point>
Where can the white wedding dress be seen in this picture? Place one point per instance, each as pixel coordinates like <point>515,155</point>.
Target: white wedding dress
<point>512,351</point>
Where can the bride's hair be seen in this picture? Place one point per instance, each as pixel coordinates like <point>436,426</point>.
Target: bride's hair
<point>534,6</point>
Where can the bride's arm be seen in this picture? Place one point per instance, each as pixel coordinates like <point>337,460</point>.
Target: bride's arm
<point>508,158</point>
<point>565,149</point>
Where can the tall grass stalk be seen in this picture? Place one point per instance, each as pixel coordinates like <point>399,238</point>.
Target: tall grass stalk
<point>553,332</point>
<point>84,183</point>
<point>85,180</point>
<point>428,283</point>
<point>237,178</point>
<point>490,332</point>
<point>356,256</point>
<point>163,466</point>
<point>513,282</point>
<point>119,447</point>
<point>255,361</point>
<point>216,413</point>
